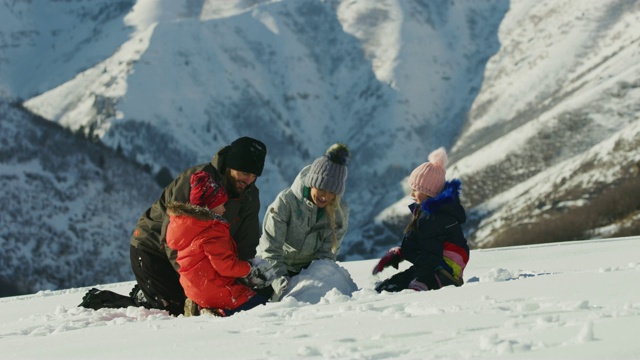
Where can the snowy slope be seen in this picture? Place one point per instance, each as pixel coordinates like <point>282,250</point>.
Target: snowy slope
<point>558,57</point>
<point>572,300</point>
<point>594,169</point>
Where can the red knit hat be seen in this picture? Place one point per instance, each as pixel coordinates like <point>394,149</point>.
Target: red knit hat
<point>205,191</point>
<point>428,178</point>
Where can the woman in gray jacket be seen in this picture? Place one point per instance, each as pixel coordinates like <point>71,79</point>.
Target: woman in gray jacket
<point>307,221</point>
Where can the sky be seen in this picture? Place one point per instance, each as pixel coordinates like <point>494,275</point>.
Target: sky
<point>572,300</point>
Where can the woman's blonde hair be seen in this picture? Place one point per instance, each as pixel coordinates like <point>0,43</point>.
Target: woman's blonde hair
<point>331,213</point>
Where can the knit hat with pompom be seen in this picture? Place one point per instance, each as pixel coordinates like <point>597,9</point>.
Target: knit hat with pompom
<point>329,172</point>
<point>428,178</point>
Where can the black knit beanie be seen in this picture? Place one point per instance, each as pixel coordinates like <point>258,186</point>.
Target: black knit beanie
<point>247,155</point>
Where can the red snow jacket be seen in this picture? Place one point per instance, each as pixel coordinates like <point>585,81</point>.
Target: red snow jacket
<point>208,257</point>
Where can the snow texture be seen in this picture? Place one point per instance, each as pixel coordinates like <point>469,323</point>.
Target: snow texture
<point>574,300</point>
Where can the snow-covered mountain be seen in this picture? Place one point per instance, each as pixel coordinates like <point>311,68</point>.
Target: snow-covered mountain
<point>555,128</point>
<point>299,75</point>
<point>536,100</point>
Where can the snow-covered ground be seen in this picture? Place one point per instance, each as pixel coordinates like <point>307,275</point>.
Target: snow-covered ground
<point>565,300</point>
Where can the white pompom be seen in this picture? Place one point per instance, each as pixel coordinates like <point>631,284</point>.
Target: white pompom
<point>438,157</point>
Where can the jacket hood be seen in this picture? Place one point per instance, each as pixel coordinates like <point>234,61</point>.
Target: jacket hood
<point>448,201</point>
<point>187,221</point>
<point>297,187</point>
<point>197,212</point>
<point>218,159</point>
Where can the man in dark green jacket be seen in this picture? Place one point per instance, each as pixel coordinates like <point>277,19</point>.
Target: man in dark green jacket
<point>153,262</point>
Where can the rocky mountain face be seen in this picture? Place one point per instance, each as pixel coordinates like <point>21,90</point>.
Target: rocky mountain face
<point>536,101</point>
<point>555,125</point>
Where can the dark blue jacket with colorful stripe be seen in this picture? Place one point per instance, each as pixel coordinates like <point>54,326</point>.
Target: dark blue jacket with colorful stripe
<point>437,240</point>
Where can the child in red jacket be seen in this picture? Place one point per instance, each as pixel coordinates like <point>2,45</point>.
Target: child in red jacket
<point>212,275</point>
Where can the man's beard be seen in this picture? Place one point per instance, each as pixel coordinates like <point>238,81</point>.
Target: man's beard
<point>230,184</point>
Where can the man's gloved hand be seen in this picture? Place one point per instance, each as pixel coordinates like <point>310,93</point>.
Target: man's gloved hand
<point>393,257</point>
<point>261,275</point>
<point>264,269</point>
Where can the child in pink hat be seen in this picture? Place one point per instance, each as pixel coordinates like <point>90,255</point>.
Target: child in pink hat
<point>433,242</point>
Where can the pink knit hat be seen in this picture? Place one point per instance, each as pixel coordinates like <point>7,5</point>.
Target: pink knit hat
<point>428,178</point>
